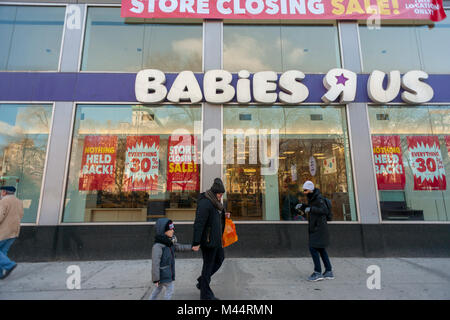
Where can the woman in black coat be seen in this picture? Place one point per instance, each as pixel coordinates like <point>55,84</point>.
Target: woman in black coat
<point>209,226</point>
<point>319,237</point>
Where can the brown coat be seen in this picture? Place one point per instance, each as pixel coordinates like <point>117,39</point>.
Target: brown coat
<point>11,213</point>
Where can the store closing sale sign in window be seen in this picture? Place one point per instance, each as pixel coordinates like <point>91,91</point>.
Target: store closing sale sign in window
<point>283,9</point>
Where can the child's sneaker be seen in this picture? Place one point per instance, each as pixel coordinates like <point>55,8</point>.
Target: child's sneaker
<point>316,276</point>
<point>328,275</point>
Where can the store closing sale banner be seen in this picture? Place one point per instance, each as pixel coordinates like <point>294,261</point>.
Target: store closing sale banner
<point>182,164</point>
<point>285,9</point>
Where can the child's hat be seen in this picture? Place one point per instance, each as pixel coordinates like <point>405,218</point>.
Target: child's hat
<point>169,226</point>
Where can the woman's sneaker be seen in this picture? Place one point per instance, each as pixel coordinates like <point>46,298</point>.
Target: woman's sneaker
<point>316,276</point>
<point>328,275</point>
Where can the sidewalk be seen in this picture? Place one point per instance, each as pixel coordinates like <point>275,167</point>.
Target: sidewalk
<point>274,279</point>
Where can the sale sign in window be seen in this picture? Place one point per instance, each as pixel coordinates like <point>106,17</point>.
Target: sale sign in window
<point>141,163</point>
<point>426,163</point>
<point>98,163</point>
<point>182,167</point>
<point>387,155</point>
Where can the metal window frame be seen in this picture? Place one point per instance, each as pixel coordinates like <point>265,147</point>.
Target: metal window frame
<point>345,108</point>
<point>436,104</point>
<point>52,104</point>
<point>115,5</point>
<point>75,104</point>
<point>37,4</point>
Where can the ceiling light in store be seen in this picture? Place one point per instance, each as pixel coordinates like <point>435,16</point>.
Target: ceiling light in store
<point>382,116</point>
<point>289,152</point>
<point>318,154</point>
<point>249,170</point>
<point>245,117</point>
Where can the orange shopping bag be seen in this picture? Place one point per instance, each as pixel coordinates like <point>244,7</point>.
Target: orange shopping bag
<point>229,234</point>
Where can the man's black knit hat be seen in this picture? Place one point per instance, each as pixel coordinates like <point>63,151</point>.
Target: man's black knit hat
<point>217,186</point>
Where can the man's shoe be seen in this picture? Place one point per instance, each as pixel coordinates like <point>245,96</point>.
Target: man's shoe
<point>328,275</point>
<point>7,272</point>
<point>316,276</point>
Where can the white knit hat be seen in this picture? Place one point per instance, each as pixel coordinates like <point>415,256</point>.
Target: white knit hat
<point>308,185</point>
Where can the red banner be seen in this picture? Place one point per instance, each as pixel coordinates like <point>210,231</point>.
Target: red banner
<point>426,163</point>
<point>182,167</point>
<point>387,153</point>
<point>285,9</point>
<point>141,163</point>
<point>98,163</point>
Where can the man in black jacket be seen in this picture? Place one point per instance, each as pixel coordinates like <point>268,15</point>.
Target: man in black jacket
<point>208,230</point>
<point>319,237</point>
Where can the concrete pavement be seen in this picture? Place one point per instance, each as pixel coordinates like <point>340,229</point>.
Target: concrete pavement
<point>252,278</point>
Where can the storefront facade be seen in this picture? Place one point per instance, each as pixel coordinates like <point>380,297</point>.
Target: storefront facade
<point>96,165</point>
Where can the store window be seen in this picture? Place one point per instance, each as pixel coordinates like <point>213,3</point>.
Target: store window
<point>30,37</point>
<point>309,48</point>
<point>411,148</point>
<point>24,131</point>
<point>113,43</point>
<point>133,163</point>
<point>270,151</point>
<point>427,47</point>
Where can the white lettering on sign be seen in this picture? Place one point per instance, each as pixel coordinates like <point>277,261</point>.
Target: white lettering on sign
<point>217,86</point>
<point>293,91</point>
<point>375,86</point>
<point>185,89</point>
<point>221,7</point>
<point>268,87</point>
<point>416,91</point>
<point>340,83</point>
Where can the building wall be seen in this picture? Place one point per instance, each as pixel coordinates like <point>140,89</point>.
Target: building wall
<point>49,238</point>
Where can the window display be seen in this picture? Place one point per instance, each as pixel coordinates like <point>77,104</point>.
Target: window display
<point>133,163</point>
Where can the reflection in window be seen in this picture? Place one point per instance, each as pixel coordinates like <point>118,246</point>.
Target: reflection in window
<point>24,133</point>
<point>110,44</point>
<point>30,37</point>
<point>412,169</point>
<point>281,48</point>
<point>312,145</point>
<point>132,163</point>
<point>407,48</point>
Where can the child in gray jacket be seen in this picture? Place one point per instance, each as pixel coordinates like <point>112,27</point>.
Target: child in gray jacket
<point>163,258</point>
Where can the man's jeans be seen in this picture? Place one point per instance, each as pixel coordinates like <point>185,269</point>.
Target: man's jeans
<point>316,259</point>
<point>157,290</point>
<point>5,262</point>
